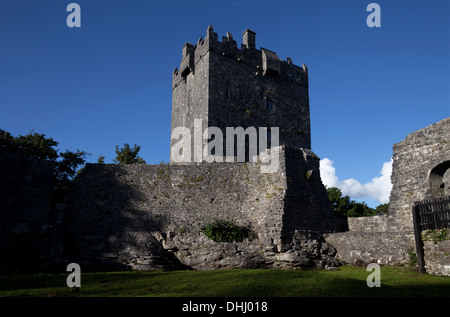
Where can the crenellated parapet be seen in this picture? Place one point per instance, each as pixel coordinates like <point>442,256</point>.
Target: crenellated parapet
<point>263,61</point>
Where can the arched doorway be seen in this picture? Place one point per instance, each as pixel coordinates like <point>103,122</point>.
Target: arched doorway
<point>440,180</point>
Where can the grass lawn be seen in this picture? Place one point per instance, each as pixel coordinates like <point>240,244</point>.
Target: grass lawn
<point>347,281</point>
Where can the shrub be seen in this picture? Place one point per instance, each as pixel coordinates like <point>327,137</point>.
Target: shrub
<point>223,231</point>
<point>437,235</point>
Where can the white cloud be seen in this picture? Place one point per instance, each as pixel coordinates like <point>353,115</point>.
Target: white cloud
<point>378,189</point>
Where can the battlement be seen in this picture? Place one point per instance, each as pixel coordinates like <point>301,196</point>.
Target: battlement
<point>263,62</point>
<point>225,85</point>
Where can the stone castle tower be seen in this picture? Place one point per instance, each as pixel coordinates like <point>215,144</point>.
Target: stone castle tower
<point>227,86</point>
<point>148,217</point>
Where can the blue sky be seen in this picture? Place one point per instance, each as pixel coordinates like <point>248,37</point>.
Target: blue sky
<point>109,82</point>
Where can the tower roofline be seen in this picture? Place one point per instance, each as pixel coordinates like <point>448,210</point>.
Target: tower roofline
<point>248,30</point>
<point>263,60</point>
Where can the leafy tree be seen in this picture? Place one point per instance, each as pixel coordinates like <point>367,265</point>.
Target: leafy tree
<point>339,204</point>
<point>360,210</point>
<point>101,160</point>
<point>69,163</point>
<point>31,145</point>
<point>7,143</point>
<point>343,206</point>
<point>66,170</point>
<point>128,155</point>
<point>382,209</point>
<point>35,145</point>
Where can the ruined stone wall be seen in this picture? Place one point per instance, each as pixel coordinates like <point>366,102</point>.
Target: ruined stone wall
<point>28,226</point>
<point>306,202</point>
<point>115,208</point>
<point>150,216</point>
<point>414,160</point>
<point>368,224</point>
<point>419,172</point>
<point>437,257</point>
<point>368,241</point>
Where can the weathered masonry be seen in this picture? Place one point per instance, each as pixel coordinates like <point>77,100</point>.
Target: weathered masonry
<point>148,217</point>
<point>226,86</point>
<point>421,171</point>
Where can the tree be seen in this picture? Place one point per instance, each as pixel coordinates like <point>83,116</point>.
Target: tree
<point>382,209</point>
<point>343,206</point>
<point>31,145</point>
<point>339,204</point>
<point>360,210</point>
<point>6,141</point>
<point>66,171</point>
<point>101,160</point>
<point>35,145</point>
<point>67,166</point>
<point>128,155</point>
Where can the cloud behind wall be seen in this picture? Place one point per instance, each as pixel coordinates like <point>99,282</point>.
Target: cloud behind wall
<point>378,189</point>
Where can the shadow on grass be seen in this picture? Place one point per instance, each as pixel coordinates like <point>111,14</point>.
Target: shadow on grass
<point>233,283</point>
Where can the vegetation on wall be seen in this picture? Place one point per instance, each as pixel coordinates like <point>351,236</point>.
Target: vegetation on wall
<point>223,231</point>
<point>437,235</point>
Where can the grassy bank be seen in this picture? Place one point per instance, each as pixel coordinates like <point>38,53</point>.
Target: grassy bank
<point>346,281</point>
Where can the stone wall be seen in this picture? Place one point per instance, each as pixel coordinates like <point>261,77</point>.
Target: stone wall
<point>437,257</point>
<point>28,226</point>
<point>420,163</point>
<point>414,160</point>
<point>368,224</point>
<point>150,216</point>
<point>368,241</point>
<point>306,201</point>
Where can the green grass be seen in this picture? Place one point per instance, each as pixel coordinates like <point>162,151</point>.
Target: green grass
<point>346,281</point>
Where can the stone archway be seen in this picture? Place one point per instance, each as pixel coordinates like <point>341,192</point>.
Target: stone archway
<point>438,187</point>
